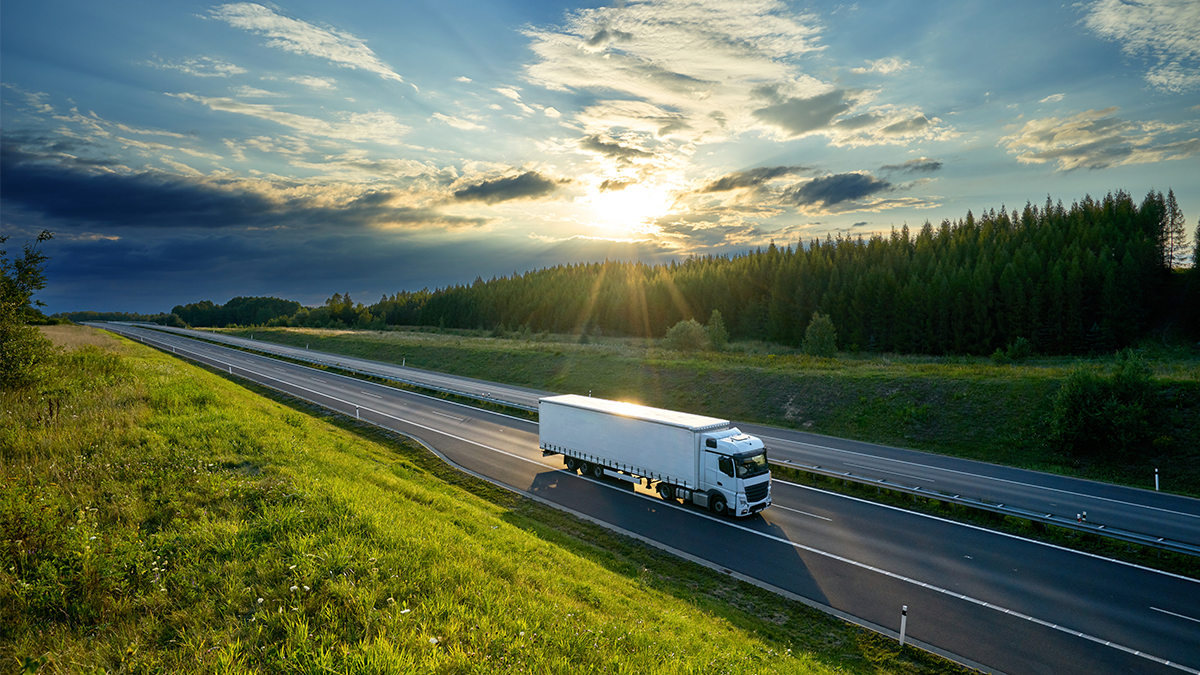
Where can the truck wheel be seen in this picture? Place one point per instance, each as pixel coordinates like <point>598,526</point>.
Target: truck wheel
<point>718,506</point>
<point>584,468</point>
<point>666,492</point>
<point>572,464</point>
<point>597,471</point>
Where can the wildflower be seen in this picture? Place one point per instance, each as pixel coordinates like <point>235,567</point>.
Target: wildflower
<point>405,611</point>
<point>260,601</point>
<point>433,641</point>
<point>294,589</point>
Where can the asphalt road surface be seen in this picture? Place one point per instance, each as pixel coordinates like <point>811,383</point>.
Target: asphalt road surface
<point>997,602</point>
<point>1156,514</point>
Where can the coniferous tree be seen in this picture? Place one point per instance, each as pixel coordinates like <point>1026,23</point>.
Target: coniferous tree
<point>1176,233</point>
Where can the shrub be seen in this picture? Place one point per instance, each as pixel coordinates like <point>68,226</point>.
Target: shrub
<point>1094,415</point>
<point>686,336</point>
<point>820,338</point>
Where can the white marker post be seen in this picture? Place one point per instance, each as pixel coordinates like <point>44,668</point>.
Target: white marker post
<point>903,622</point>
<point>356,415</point>
<point>1156,480</point>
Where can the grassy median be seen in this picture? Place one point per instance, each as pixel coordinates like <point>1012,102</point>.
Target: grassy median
<point>157,517</point>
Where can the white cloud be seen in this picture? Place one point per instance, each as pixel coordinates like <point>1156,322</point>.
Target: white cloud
<point>882,66</point>
<point>377,127</point>
<point>463,78</point>
<point>456,122</point>
<point>319,83</point>
<point>699,71</point>
<point>201,66</point>
<point>299,37</point>
<point>1166,31</point>
<point>1098,139</point>
<point>253,92</point>
<point>1052,98</point>
<point>509,92</point>
<point>552,112</point>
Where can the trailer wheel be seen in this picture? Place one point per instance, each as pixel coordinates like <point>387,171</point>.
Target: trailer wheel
<point>666,492</point>
<point>572,464</point>
<point>718,506</point>
<point>597,471</point>
<point>584,468</point>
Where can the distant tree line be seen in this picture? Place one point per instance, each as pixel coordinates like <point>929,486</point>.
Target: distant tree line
<point>237,312</point>
<point>1052,279</point>
<point>161,318</point>
<point>1063,280</point>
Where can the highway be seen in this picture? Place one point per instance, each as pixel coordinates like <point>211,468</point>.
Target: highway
<point>1155,514</point>
<point>998,602</point>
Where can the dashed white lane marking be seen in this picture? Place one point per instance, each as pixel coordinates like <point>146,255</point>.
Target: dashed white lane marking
<point>806,513</point>
<point>1174,614</point>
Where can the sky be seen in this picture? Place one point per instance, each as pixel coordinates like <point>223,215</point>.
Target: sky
<point>185,151</point>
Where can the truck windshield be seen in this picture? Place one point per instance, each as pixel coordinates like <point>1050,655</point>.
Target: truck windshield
<point>752,465</point>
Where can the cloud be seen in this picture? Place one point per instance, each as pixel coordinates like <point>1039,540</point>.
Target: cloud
<point>882,66</point>
<point>1053,98</point>
<point>751,178</point>
<point>1167,32</point>
<point>201,66</point>
<point>613,150</point>
<point>830,191</point>
<point>528,185</point>
<point>1098,139</point>
<point>378,127</point>
<point>456,122</point>
<point>614,185</point>
<point>318,83</point>
<point>800,116</point>
<point>918,165</point>
<point>100,198</point>
<point>292,35</point>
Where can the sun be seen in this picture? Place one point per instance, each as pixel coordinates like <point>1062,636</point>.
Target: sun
<point>630,209</point>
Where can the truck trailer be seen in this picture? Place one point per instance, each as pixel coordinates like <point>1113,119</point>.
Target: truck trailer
<point>685,457</point>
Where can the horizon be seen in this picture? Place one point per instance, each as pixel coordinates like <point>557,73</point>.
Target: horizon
<point>204,151</point>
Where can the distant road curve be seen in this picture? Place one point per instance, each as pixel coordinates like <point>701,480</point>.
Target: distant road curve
<point>1154,514</point>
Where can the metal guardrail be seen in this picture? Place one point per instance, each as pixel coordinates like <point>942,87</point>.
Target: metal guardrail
<point>1034,516</point>
<point>368,373</point>
<point>1046,518</point>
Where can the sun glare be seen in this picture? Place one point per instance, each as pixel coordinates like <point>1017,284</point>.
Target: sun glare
<point>630,210</point>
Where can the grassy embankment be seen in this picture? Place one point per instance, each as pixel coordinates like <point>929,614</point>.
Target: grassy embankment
<point>962,406</point>
<point>156,517</point>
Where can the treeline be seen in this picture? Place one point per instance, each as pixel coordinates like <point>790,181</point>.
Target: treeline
<point>237,312</point>
<point>1054,279</point>
<point>80,317</point>
<point>1067,280</point>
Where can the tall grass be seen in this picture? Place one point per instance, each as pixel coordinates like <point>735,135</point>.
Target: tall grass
<point>155,517</point>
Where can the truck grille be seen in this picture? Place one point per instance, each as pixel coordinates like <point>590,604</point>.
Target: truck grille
<point>757,493</point>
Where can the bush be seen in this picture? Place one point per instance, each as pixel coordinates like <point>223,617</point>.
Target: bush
<point>820,338</point>
<point>1094,415</point>
<point>686,336</point>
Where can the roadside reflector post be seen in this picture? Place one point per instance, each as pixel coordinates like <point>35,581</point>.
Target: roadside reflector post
<point>230,369</point>
<point>404,360</point>
<point>903,622</point>
<point>1156,480</point>
<point>356,415</point>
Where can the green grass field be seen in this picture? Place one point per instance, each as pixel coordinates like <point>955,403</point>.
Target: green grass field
<point>963,406</point>
<point>157,517</point>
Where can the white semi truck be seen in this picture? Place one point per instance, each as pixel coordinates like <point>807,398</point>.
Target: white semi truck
<point>689,457</point>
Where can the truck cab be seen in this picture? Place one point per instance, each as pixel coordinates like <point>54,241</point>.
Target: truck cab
<point>735,471</point>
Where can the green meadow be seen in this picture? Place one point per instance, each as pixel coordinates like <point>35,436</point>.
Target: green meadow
<point>158,517</point>
<point>965,406</point>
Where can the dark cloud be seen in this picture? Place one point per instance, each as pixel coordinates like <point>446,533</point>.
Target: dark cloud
<point>614,150</point>
<point>799,116</point>
<point>918,165</point>
<point>528,185</point>
<point>751,178</point>
<point>905,127</point>
<point>605,36</point>
<point>614,185</point>
<point>838,188</point>
<point>80,197</point>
